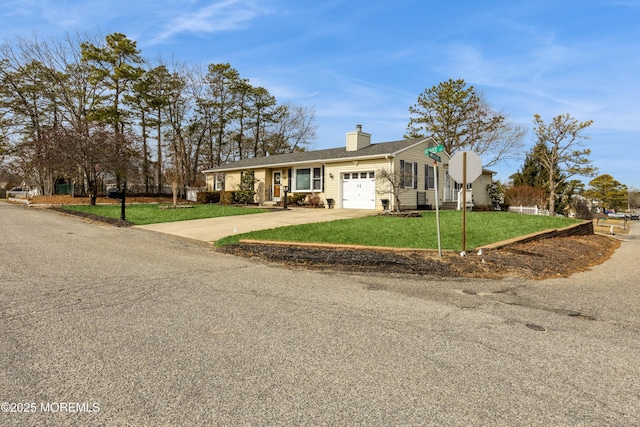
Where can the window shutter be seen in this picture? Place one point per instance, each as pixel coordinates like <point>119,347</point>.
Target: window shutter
<point>426,177</point>
<point>415,176</point>
<point>401,173</point>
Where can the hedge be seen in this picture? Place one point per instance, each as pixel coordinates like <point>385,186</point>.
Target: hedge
<point>208,197</point>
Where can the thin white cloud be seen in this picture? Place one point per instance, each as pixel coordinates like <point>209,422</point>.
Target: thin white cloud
<point>634,4</point>
<point>11,8</point>
<point>219,16</point>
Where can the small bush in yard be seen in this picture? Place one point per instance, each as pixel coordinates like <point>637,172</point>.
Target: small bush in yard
<point>227,197</point>
<point>315,201</point>
<point>207,197</point>
<point>294,199</point>
<point>246,189</point>
<point>581,209</point>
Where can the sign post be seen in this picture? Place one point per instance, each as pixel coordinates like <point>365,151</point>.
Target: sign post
<point>435,181</point>
<point>431,153</point>
<point>464,202</point>
<point>463,166</point>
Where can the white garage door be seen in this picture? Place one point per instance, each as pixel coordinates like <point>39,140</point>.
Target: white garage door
<point>359,190</point>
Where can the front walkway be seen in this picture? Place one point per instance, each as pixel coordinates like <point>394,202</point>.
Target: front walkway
<point>212,229</point>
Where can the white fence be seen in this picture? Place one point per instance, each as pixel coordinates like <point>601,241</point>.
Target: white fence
<point>21,193</point>
<point>529,210</point>
<point>192,194</point>
<point>468,198</point>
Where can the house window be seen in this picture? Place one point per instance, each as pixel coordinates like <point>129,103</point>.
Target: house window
<point>430,175</point>
<point>251,174</point>
<point>250,182</point>
<point>458,186</point>
<point>409,178</point>
<point>317,179</point>
<point>303,179</point>
<point>309,179</point>
<point>218,184</point>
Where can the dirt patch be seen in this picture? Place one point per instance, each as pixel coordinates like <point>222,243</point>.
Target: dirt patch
<point>94,218</point>
<point>557,257</point>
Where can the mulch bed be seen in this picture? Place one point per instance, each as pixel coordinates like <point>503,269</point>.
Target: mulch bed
<point>557,257</point>
<point>94,218</point>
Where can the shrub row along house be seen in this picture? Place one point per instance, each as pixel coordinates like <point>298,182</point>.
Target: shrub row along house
<point>358,176</point>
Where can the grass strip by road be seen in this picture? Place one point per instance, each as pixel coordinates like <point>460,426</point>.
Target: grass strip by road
<point>142,214</point>
<point>482,228</point>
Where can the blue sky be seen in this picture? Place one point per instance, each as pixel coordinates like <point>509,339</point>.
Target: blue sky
<point>366,62</point>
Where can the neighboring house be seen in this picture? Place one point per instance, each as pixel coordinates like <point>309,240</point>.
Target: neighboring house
<point>348,177</point>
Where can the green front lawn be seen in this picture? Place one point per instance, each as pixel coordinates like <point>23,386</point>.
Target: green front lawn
<point>482,228</point>
<point>152,214</point>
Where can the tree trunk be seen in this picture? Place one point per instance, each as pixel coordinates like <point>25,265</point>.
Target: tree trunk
<point>93,194</point>
<point>552,194</point>
<point>159,138</point>
<point>174,191</point>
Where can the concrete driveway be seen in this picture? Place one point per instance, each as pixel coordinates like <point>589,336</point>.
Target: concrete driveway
<point>212,229</point>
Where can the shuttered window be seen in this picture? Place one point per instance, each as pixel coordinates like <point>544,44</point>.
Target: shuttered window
<point>409,177</point>
<point>429,177</point>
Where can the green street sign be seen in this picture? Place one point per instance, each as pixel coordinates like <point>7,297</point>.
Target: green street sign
<point>436,149</point>
<point>434,157</point>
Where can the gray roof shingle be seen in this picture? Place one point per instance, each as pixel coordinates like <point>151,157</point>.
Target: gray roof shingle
<point>379,149</point>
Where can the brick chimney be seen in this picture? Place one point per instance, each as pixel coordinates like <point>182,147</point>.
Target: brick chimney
<point>358,139</point>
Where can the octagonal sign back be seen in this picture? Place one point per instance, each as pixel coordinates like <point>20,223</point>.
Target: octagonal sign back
<point>474,166</point>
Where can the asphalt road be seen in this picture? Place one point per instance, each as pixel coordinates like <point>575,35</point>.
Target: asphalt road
<point>121,326</point>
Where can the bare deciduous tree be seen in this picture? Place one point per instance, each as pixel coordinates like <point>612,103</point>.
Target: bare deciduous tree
<point>391,182</point>
<point>565,155</point>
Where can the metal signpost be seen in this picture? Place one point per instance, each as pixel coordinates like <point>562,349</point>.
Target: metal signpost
<point>431,153</point>
<point>463,166</point>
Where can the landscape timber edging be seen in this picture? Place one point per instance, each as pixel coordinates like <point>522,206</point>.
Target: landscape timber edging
<point>584,228</point>
<point>338,246</point>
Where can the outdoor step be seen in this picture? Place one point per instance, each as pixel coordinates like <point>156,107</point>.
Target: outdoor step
<point>449,206</point>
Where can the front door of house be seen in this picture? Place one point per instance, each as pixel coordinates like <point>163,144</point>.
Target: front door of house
<point>277,184</point>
